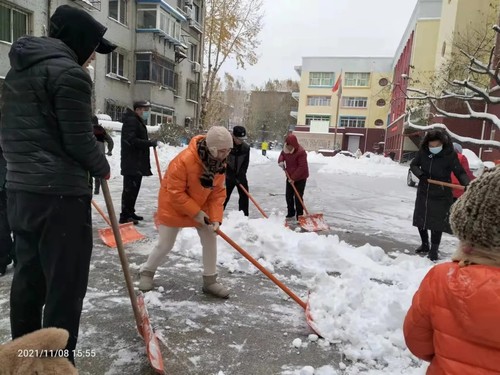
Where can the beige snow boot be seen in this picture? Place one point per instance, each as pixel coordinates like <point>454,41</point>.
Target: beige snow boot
<point>211,286</point>
<point>146,281</point>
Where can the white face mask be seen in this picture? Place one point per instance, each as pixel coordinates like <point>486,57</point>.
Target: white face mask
<point>436,150</point>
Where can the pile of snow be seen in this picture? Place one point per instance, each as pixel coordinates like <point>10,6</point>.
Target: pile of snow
<point>374,166</point>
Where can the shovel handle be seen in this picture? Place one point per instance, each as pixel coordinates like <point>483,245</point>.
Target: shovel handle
<point>252,260</point>
<point>297,193</point>
<point>96,206</point>
<point>157,163</point>
<point>447,184</point>
<point>121,253</point>
<point>253,200</point>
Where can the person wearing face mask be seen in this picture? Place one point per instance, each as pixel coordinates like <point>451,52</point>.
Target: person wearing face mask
<point>436,159</point>
<point>192,194</point>
<point>135,163</point>
<point>51,153</point>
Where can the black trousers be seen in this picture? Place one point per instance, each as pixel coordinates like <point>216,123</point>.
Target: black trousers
<point>53,248</point>
<point>243,201</point>
<point>131,187</point>
<point>435,236</point>
<point>6,243</point>
<point>292,202</point>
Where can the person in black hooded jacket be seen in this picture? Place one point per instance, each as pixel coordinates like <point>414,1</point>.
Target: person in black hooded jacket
<point>6,244</point>
<point>435,160</point>
<point>135,162</point>
<point>51,152</point>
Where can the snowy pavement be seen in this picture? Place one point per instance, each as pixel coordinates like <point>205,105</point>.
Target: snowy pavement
<point>361,276</point>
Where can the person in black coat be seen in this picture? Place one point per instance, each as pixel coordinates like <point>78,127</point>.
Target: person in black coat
<point>51,153</point>
<point>6,244</point>
<point>102,136</point>
<point>135,161</point>
<point>435,160</point>
<point>237,166</point>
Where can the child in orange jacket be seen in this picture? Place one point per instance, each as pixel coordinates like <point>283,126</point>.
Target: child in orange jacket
<point>453,320</point>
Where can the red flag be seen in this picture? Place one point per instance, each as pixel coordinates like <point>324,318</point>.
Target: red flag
<point>338,86</point>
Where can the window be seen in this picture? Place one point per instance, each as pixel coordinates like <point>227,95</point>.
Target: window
<point>310,118</point>
<point>160,116</point>
<point>193,52</point>
<point>191,90</point>
<point>118,10</point>
<point>176,84</point>
<point>352,122</point>
<point>147,19</point>
<point>196,12</point>
<point>321,101</point>
<point>154,68</point>
<point>116,64</point>
<point>379,122</point>
<point>354,102</point>
<point>383,82</point>
<point>13,23</point>
<point>114,110</point>
<point>381,103</point>
<point>357,79</point>
<point>321,79</point>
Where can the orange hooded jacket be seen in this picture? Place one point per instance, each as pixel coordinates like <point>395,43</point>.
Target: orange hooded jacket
<point>454,320</point>
<point>181,194</point>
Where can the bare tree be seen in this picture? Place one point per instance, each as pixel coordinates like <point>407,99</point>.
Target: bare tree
<point>232,28</point>
<point>472,95</point>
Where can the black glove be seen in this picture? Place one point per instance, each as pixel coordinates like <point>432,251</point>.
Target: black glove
<point>153,143</point>
<point>423,178</point>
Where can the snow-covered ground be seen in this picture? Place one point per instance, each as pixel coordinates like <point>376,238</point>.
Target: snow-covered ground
<point>358,295</point>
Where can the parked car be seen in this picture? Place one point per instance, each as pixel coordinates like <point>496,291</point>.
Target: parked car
<point>476,166</point>
<point>344,152</point>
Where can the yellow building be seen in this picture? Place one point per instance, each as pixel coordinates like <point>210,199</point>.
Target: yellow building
<point>327,121</point>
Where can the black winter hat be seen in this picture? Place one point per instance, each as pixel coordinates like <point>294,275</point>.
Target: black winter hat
<point>141,104</point>
<point>240,132</point>
<point>79,31</point>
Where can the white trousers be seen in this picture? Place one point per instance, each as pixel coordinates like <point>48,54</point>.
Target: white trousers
<point>166,242</point>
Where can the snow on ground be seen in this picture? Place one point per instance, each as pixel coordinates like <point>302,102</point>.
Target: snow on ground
<point>358,295</point>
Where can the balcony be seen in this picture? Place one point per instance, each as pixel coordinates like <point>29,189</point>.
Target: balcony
<point>160,18</point>
<point>294,114</point>
<point>296,95</point>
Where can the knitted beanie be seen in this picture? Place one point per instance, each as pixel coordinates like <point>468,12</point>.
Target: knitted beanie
<point>475,217</point>
<point>218,138</point>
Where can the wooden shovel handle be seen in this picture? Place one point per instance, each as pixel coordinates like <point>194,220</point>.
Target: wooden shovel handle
<point>447,184</point>
<point>262,269</point>
<point>157,163</point>
<point>297,193</point>
<point>121,253</point>
<point>253,200</point>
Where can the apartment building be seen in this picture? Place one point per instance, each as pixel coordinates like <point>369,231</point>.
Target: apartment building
<point>354,116</point>
<point>426,47</point>
<point>158,58</point>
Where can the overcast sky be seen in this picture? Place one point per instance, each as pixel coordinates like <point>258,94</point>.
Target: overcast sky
<point>299,28</point>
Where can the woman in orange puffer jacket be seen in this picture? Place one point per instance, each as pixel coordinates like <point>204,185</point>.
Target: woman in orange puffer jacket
<point>192,194</point>
<point>453,320</point>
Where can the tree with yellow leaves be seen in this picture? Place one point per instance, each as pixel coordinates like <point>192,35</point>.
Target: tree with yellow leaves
<point>232,30</point>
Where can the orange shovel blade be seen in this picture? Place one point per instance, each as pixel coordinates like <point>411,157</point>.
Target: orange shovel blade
<point>127,231</point>
<point>310,321</point>
<point>152,345</point>
<point>313,223</point>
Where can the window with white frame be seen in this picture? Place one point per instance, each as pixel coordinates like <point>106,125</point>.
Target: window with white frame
<point>354,102</point>
<point>116,64</point>
<point>118,10</point>
<point>160,116</point>
<point>196,12</point>
<point>193,52</point>
<point>310,118</point>
<point>319,101</point>
<point>114,110</point>
<point>147,20</point>
<point>321,79</point>
<point>13,23</point>
<point>357,79</point>
<point>352,122</point>
<point>150,67</point>
<point>191,90</point>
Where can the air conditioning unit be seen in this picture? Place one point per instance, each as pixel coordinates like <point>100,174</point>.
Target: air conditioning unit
<point>189,12</point>
<point>196,67</point>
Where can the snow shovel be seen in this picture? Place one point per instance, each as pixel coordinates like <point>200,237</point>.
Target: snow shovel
<point>138,306</point>
<point>273,278</point>
<point>309,222</point>
<point>447,184</point>
<point>253,200</point>
<point>127,230</point>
